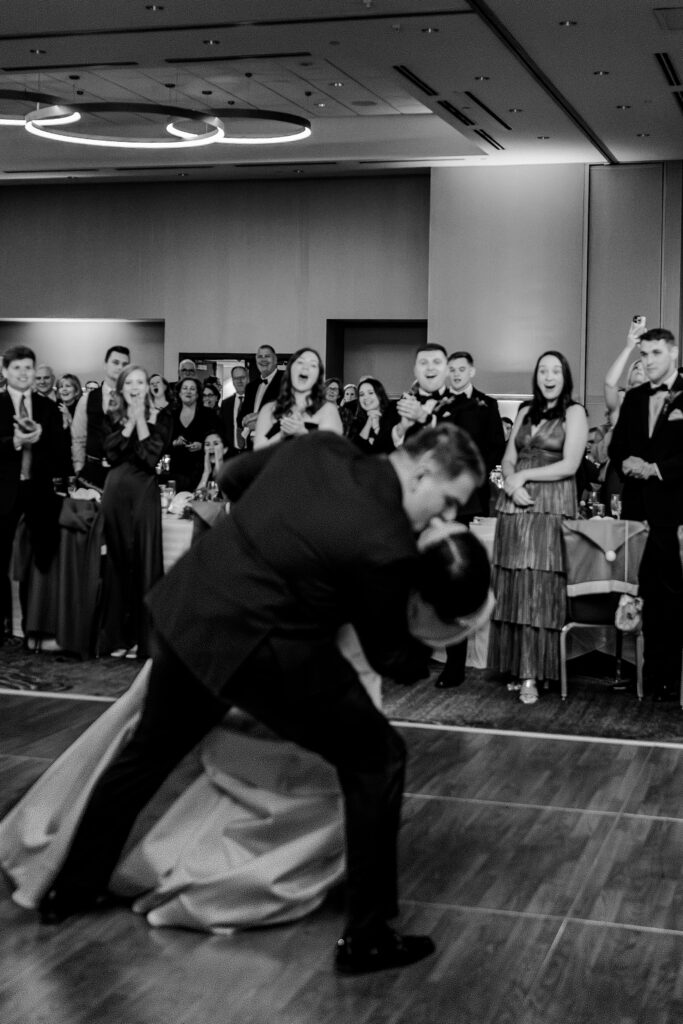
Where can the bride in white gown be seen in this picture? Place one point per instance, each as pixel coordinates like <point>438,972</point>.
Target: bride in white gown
<point>246,831</point>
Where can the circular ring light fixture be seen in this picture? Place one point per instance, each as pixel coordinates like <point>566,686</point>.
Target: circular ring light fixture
<point>23,96</point>
<point>39,122</point>
<point>300,127</point>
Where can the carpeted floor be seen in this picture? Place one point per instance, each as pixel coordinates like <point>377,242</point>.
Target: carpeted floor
<point>482,701</point>
<point>592,708</point>
<point>62,673</point>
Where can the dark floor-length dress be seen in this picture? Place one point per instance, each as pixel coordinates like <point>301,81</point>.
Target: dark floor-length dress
<point>529,578</point>
<point>132,527</point>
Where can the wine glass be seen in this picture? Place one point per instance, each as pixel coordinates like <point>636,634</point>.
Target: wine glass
<point>615,505</point>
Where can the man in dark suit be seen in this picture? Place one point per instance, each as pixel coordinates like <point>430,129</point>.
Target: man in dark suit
<point>29,432</point>
<point>443,393</point>
<point>647,452</point>
<point>91,424</point>
<point>230,413</point>
<point>265,389</point>
<point>319,534</point>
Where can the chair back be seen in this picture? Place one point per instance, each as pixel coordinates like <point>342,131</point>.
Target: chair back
<point>602,556</point>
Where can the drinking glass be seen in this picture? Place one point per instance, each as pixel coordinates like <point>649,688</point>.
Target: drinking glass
<point>615,505</point>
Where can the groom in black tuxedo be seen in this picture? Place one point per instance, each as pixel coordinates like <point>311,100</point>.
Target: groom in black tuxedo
<point>647,452</point>
<point>319,534</point>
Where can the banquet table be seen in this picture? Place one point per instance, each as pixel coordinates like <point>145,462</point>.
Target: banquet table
<point>64,601</point>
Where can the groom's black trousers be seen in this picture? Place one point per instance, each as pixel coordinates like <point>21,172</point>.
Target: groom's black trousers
<point>320,706</point>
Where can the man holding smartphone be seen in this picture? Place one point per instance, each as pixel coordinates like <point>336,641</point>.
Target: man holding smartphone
<point>29,432</point>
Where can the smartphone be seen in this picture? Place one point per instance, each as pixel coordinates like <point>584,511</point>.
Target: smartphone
<point>640,320</point>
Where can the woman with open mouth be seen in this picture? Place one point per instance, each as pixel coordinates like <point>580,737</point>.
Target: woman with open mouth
<point>539,466</point>
<point>301,404</point>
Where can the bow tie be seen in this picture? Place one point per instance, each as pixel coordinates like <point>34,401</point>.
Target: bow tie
<point>660,387</point>
<point>462,397</point>
<point>435,396</point>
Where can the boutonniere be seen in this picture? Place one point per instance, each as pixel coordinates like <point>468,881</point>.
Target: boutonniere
<point>441,403</point>
<point>674,415</point>
<point>482,402</point>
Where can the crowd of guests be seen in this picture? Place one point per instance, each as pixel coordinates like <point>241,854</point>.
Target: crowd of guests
<point>132,431</point>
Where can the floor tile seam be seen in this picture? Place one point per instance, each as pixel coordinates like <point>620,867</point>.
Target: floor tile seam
<point>475,909</point>
<point>519,805</point>
<point>604,843</point>
<point>520,734</point>
<point>650,929</point>
<point>7,691</point>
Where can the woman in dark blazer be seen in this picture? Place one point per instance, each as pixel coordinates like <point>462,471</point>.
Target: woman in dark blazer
<point>191,423</point>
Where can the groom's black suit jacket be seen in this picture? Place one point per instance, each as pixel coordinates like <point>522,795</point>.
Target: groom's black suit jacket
<point>316,537</point>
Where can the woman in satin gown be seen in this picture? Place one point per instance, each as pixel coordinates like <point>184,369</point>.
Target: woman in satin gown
<point>248,829</point>
<point>539,466</point>
<point>131,507</point>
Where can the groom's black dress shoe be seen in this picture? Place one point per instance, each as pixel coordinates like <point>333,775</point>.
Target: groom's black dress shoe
<point>359,955</point>
<point>57,906</point>
<point>446,680</point>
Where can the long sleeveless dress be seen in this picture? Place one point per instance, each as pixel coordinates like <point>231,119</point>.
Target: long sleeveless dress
<point>529,577</point>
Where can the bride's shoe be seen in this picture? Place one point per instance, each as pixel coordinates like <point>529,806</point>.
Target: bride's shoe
<point>528,693</point>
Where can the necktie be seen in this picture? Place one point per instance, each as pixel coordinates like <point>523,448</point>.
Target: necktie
<point>26,453</point>
<point>239,440</point>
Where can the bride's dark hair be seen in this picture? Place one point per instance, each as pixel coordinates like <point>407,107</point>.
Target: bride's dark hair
<point>285,400</point>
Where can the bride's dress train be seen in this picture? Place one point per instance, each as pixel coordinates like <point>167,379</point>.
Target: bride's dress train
<point>248,829</point>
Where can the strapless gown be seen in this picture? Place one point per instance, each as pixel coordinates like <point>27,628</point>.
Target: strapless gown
<point>248,829</point>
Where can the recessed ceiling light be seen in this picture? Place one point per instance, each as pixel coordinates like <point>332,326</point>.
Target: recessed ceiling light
<point>337,85</point>
<point>515,110</point>
<point>207,92</point>
<point>481,78</point>
<point>543,137</point>
<point>320,104</point>
<point>74,78</point>
<point>601,74</point>
<point>623,106</point>
<point>396,28</point>
<point>38,51</point>
<point>182,174</point>
<point>298,171</point>
<point>211,42</point>
<point>567,23</point>
<point>643,135</point>
<point>154,7</point>
<point>429,31</point>
<point>169,85</point>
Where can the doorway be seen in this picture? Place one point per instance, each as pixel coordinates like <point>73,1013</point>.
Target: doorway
<point>384,349</point>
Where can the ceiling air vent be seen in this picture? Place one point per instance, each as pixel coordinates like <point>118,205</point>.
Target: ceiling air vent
<point>488,138</point>
<point>239,56</point>
<point>454,112</point>
<point>668,69</point>
<point>72,67</point>
<point>292,163</point>
<point>488,111</point>
<point>670,18</point>
<point>415,79</point>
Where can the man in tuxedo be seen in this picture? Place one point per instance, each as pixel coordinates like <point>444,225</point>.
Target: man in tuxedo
<point>443,393</point>
<point>29,432</point>
<point>478,414</point>
<point>230,413</point>
<point>647,452</point>
<point>91,424</point>
<point>258,392</point>
<point>319,534</point>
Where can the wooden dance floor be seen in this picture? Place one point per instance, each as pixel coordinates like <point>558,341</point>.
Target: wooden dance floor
<point>548,871</point>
